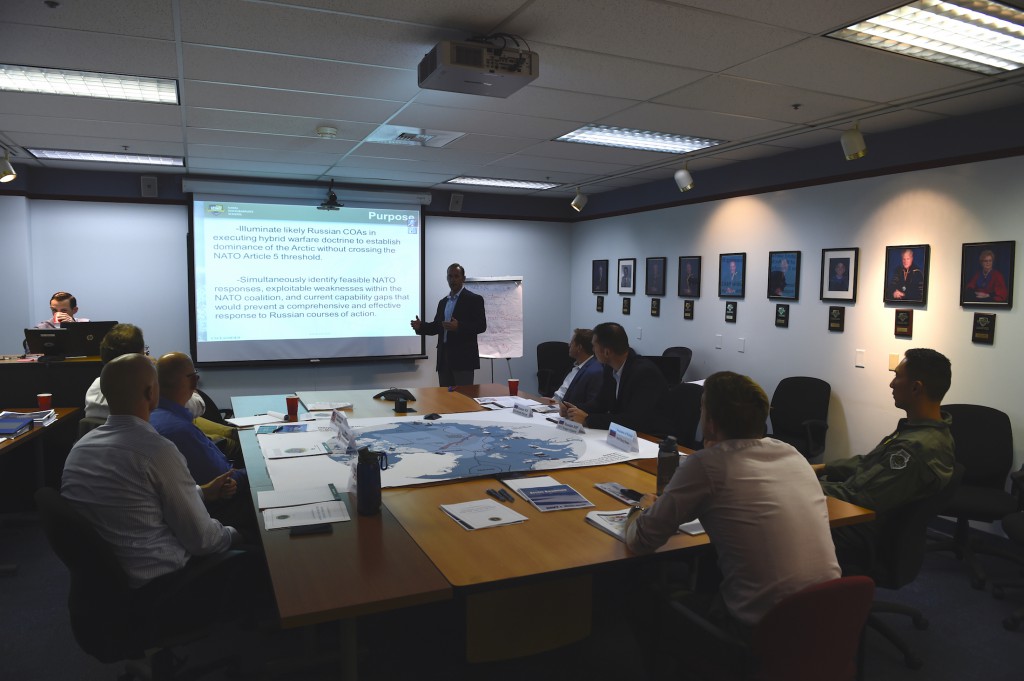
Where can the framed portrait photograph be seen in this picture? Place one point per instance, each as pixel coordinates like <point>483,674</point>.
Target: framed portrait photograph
<point>654,284</point>
<point>599,276</point>
<point>986,274</point>
<point>627,276</point>
<point>732,275</point>
<point>689,276</point>
<point>784,275</point>
<point>839,274</point>
<point>906,274</point>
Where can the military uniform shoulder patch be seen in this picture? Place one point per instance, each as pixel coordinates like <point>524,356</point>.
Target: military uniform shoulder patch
<point>899,459</point>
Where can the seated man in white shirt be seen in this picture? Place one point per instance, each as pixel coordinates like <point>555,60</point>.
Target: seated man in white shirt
<point>134,487</point>
<point>63,308</point>
<point>583,381</point>
<point>756,497</point>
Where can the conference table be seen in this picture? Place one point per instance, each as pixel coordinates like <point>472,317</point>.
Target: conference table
<point>67,380</point>
<point>412,553</point>
<point>35,437</point>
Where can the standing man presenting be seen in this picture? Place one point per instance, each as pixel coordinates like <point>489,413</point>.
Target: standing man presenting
<point>460,318</point>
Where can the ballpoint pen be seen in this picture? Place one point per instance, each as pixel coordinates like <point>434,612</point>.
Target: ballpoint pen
<point>506,496</point>
<point>494,493</point>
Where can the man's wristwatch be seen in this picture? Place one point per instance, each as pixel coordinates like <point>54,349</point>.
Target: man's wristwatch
<point>635,509</point>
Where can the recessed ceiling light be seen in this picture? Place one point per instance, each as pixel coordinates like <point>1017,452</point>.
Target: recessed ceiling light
<point>14,78</point>
<point>496,182</point>
<point>102,157</point>
<point>627,138</point>
<point>977,35</point>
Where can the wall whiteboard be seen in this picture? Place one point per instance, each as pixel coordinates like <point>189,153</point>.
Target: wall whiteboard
<point>503,303</point>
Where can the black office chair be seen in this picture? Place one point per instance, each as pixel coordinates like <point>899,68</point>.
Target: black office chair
<point>984,447</point>
<point>684,355</point>
<point>682,412</point>
<point>109,620</point>
<point>799,414</point>
<point>896,559</point>
<point>213,412</point>
<point>89,423</point>
<point>553,365</point>
<point>669,366</point>
<point>1013,526</point>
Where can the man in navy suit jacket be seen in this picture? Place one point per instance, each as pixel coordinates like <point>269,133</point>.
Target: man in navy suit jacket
<point>460,318</point>
<point>632,389</point>
<point>584,380</point>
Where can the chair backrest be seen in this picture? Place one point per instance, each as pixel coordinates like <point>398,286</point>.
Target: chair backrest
<point>212,412</point>
<point>900,547</point>
<point>553,364</point>
<point>88,423</point>
<point>682,412</point>
<point>984,444</point>
<point>797,400</point>
<point>669,366</point>
<point>684,355</point>
<point>99,600</point>
<point>814,633</point>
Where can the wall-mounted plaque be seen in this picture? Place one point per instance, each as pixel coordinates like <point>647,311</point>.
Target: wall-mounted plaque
<point>687,309</point>
<point>655,307</point>
<point>904,323</point>
<point>836,318</point>
<point>984,329</point>
<point>625,305</point>
<point>600,303</point>
<point>730,311</point>
<point>782,316</point>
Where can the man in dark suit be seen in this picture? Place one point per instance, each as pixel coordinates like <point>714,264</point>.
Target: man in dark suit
<point>632,389</point>
<point>583,382</point>
<point>460,318</point>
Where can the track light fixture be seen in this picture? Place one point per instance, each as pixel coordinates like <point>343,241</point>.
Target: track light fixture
<point>853,143</point>
<point>7,172</point>
<point>684,180</point>
<point>579,201</point>
<point>331,202</point>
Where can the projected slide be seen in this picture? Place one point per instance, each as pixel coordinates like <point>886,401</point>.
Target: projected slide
<point>282,282</point>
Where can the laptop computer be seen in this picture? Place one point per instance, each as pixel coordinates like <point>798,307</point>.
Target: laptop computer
<point>84,338</point>
<point>46,342</point>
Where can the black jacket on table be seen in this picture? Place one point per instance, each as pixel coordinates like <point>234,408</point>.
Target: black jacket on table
<point>639,404</point>
<point>461,346</point>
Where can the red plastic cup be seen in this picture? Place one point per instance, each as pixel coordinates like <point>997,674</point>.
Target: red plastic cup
<point>293,407</point>
<point>45,400</point>
<point>513,386</point>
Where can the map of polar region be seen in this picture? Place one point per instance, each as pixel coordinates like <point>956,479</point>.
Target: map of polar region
<point>420,451</point>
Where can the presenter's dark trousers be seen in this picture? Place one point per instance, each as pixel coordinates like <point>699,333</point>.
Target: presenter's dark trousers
<point>447,376</point>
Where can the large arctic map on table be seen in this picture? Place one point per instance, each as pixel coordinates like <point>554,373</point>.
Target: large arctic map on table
<point>458,446</point>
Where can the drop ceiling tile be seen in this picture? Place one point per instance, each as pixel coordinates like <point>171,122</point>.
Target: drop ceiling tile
<point>707,124</point>
<point>995,98</point>
<point>47,140</point>
<point>258,155</point>
<point>86,108</point>
<point>483,122</point>
<point>272,124</point>
<point>532,101</point>
<point>547,164</point>
<point>650,31</point>
<point>848,70</point>
<point>75,127</point>
<point>490,144</point>
<point>438,154</point>
<point>270,142</point>
<point>87,51</point>
<point>745,97</point>
<point>297,73</point>
<point>595,153</point>
<point>470,15</point>
<point>820,16</point>
<point>287,102</point>
<point>283,169</point>
<point>122,17</point>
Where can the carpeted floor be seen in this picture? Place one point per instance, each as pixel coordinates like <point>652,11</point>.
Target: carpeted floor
<point>965,641</point>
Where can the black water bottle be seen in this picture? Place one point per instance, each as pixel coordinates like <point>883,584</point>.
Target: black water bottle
<point>668,461</point>
<point>367,482</point>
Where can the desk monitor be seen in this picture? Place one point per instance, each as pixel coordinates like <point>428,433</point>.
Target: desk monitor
<point>47,342</point>
<point>84,338</point>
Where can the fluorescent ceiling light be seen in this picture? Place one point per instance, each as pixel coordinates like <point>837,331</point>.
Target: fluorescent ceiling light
<point>496,182</point>
<point>982,36</point>
<point>102,157</point>
<point>87,84</point>
<point>607,136</point>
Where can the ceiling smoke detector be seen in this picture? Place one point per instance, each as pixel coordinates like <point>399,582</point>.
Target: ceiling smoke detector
<point>326,132</point>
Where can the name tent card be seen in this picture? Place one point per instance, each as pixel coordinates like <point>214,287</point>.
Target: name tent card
<point>344,436</point>
<point>622,438</point>
<point>570,426</point>
<point>523,410</point>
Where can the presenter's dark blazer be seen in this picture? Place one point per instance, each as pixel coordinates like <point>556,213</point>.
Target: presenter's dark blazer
<point>586,385</point>
<point>640,404</point>
<point>462,350</point>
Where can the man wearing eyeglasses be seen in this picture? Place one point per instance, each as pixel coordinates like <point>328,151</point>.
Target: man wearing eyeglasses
<point>178,379</point>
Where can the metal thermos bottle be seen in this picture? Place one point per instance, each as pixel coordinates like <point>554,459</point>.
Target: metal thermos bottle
<point>668,461</point>
<point>367,482</point>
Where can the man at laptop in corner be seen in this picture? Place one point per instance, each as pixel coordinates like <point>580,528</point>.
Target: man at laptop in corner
<point>63,308</point>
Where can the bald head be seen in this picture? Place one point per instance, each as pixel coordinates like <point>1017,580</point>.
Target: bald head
<point>130,386</point>
<point>177,375</point>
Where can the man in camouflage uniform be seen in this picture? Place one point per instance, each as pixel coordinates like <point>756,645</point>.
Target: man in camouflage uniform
<point>914,462</point>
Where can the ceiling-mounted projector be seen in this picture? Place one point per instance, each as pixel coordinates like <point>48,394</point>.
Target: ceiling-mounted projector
<point>477,68</point>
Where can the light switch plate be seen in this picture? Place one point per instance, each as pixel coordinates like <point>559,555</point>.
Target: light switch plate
<point>718,341</point>
<point>741,345</point>
<point>894,361</point>
<point>859,361</point>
